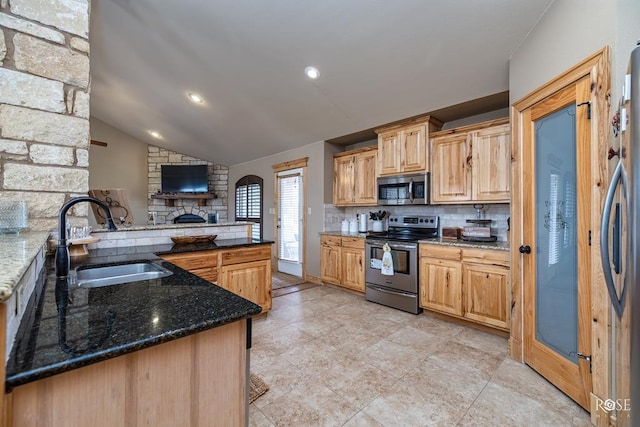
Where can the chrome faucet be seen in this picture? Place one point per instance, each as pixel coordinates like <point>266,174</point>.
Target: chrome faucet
<point>62,252</point>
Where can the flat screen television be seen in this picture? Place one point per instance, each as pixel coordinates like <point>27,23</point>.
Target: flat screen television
<point>184,179</point>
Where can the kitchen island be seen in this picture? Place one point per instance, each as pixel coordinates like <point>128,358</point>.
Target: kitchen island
<point>167,351</point>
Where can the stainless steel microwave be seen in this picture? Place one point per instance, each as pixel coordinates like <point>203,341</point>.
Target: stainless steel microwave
<point>404,190</point>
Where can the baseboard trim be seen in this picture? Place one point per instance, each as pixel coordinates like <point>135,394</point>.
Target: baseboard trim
<point>313,279</point>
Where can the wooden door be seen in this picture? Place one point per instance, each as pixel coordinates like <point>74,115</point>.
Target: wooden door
<point>486,294</point>
<point>353,268</point>
<point>388,153</point>
<point>330,259</point>
<point>441,285</point>
<point>249,281</point>
<point>451,161</point>
<point>491,170</point>
<point>413,149</point>
<point>365,177</point>
<point>343,180</point>
<point>556,255</point>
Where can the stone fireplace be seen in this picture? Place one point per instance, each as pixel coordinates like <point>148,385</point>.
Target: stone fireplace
<point>165,214</point>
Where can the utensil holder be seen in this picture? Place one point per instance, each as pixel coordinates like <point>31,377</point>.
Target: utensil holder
<point>378,226</point>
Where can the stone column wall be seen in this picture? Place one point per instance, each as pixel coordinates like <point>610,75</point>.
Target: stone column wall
<point>44,106</point>
<point>218,184</point>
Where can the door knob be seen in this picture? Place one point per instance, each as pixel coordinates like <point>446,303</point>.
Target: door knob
<point>525,249</point>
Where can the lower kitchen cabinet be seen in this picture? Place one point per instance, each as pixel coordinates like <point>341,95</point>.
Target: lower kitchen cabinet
<point>245,271</point>
<point>441,280</point>
<point>342,261</point>
<point>468,283</point>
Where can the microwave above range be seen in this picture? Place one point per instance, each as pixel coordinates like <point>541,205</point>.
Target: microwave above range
<point>404,190</point>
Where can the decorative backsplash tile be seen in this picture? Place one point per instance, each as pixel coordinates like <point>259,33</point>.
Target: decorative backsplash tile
<point>450,215</point>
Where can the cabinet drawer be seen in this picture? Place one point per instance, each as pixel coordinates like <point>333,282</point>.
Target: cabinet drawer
<point>209,274</point>
<point>487,256</point>
<point>440,252</point>
<point>240,255</point>
<point>353,242</point>
<point>331,240</point>
<point>193,260</point>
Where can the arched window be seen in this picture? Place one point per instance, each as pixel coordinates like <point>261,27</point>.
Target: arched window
<point>249,203</point>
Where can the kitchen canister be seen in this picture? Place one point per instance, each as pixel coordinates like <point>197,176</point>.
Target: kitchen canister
<point>353,226</point>
<point>362,223</point>
<point>345,226</point>
<point>13,216</point>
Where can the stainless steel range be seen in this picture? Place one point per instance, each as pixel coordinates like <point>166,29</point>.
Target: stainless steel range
<point>399,290</point>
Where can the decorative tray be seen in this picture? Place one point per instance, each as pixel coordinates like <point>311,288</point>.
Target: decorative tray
<point>182,240</point>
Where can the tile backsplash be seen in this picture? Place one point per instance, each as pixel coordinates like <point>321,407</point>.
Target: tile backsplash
<point>450,215</point>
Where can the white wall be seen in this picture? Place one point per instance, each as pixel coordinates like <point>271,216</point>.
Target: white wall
<point>319,177</point>
<point>121,164</point>
<point>567,33</point>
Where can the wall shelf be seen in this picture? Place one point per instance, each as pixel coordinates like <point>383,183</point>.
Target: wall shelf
<point>169,199</point>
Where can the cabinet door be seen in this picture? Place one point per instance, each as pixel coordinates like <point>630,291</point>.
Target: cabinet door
<point>353,269</point>
<point>388,153</point>
<point>441,285</point>
<point>450,167</point>
<point>491,169</point>
<point>330,265</point>
<point>413,149</point>
<point>343,180</point>
<point>250,280</point>
<point>365,177</point>
<point>486,294</point>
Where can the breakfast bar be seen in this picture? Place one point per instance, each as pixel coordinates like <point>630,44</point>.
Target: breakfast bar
<point>152,352</point>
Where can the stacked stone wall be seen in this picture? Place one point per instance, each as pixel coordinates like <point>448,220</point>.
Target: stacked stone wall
<point>218,184</point>
<point>44,106</point>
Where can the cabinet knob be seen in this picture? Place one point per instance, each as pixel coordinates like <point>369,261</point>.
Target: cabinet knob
<point>525,249</point>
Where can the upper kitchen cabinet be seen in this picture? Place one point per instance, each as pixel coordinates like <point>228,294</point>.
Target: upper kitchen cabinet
<point>491,171</point>
<point>472,164</point>
<point>404,148</point>
<point>354,177</point>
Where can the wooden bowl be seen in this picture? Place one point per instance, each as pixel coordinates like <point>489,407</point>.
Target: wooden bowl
<point>182,240</point>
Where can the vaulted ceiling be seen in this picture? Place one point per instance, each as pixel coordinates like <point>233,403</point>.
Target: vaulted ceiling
<point>380,61</point>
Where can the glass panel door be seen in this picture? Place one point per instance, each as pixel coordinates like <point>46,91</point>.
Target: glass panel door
<point>555,230</point>
<point>290,222</point>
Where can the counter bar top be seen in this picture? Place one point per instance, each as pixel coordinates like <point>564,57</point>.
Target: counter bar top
<point>67,327</point>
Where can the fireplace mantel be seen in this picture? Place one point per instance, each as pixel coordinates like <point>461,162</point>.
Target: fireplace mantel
<point>169,199</point>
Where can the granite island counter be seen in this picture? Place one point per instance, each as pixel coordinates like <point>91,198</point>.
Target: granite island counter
<point>168,351</point>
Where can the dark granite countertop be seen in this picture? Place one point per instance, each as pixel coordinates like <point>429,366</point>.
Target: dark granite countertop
<point>66,327</point>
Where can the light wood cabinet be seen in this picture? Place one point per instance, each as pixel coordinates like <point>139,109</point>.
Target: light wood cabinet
<point>472,164</point>
<point>404,148</point>
<point>441,280</point>
<point>491,171</point>
<point>451,162</point>
<point>342,261</point>
<point>467,283</point>
<point>197,380</point>
<point>245,271</point>
<point>354,178</point>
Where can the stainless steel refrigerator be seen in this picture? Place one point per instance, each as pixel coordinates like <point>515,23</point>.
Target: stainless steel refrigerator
<point>621,232</point>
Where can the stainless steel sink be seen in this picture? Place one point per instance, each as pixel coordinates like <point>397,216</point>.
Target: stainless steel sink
<point>95,277</point>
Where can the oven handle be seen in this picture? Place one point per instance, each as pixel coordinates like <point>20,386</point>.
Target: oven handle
<point>377,288</point>
<point>393,245</point>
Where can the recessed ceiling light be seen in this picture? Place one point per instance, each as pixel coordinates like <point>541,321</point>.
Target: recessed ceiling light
<point>194,97</point>
<point>312,73</point>
<point>155,134</point>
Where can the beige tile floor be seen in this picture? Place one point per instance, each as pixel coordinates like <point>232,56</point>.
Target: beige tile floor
<point>332,359</point>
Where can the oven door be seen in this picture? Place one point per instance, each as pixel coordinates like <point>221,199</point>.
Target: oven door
<point>405,265</point>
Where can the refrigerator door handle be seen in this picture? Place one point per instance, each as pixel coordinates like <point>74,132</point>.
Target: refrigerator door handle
<point>619,175</point>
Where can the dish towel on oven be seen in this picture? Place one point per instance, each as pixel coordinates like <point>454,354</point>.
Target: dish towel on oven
<point>387,261</point>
